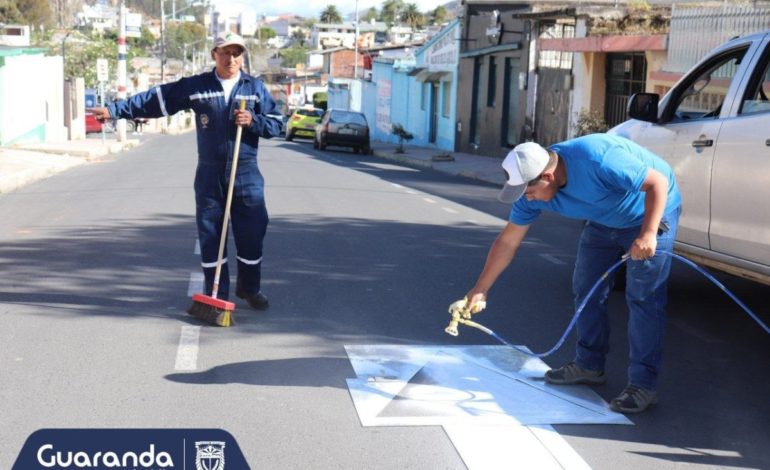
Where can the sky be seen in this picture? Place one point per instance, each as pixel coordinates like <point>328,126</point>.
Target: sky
<point>307,8</point>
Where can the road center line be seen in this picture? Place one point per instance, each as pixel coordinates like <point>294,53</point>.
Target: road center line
<point>187,352</point>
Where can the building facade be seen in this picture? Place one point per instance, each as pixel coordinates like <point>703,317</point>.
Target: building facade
<point>493,68</point>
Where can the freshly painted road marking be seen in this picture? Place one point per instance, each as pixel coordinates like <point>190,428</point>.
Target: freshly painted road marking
<point>552,259</point>
<point>450,210</point>
<point>187,352</point>
<point>410,191</point>
<point>196,283</point>
<point>396,185</point>
<point>429,200</point>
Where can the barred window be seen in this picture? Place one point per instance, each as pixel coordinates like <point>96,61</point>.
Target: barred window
<point>556,59</point>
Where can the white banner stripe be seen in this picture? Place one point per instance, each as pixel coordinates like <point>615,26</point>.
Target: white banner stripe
<point>248,261</point>
<point>213,265</point>
<point>160,100</point>
<point>187,352</point>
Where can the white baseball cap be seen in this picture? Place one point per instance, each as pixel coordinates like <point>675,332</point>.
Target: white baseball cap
<point>522,164</point>
<point>229,39</point>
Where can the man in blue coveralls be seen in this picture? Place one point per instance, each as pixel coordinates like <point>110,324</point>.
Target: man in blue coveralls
<point>215,97</point>
<point>630,201</point>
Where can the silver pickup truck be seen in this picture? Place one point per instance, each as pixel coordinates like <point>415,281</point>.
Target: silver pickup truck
<point>713,127</point>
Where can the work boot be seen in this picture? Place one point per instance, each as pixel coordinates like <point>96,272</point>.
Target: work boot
<point>257,301</point>
<point>574,374</point>
<point>634,399</point>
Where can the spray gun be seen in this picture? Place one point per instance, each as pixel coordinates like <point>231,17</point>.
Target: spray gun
<point>461,313</point>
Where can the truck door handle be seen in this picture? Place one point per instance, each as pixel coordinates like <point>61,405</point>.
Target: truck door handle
<point>702,143</point>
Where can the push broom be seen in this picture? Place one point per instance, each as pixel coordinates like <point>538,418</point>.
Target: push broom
<point>209,308</point>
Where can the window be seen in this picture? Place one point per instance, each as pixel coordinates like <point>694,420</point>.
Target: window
<point>701,97</point>
<point>556,59</point>
<point>757,99</point>
<point>446,96</point>
<point>491,82</point>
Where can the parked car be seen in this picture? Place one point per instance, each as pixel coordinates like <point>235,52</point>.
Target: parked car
<point>302,123</point>
<point>344,129</point>
<point>713,127</point>
<point>92,124</point>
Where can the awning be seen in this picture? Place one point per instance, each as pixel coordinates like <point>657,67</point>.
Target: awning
<point>426,75</point>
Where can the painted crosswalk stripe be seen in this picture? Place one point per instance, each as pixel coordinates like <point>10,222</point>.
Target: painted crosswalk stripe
<point>196,283</point>
<point>187,352</point>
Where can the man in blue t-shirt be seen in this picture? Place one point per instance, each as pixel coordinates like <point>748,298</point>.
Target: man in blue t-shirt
<point>630,201</point>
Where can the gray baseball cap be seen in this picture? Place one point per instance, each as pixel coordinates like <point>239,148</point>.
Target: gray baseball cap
<point>522,164</point>
<point>229,39</point>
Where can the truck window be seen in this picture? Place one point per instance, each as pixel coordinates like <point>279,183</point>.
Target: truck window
<point>701,97</point>
<point>757,98</point>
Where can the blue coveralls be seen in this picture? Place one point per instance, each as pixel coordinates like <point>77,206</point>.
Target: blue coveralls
<point>216,138</point>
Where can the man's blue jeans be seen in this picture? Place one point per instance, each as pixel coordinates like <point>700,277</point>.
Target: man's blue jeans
<point>646,296</point>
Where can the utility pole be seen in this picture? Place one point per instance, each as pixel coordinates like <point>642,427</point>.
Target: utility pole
<point>162,43</point>
<point>121,124</point>
<point>355,69</point>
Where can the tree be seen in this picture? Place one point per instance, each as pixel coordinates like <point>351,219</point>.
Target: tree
<point>390,11</point>
<point>291,56</point>
<point>411,15</point>
<point>371,14</point>
<point>265,33</point>
<point>179,34</point>
<point>9,12</point>
<point>439,15</point>
<point>298,36</point>
<point>330,15</point>
<point>35,12</point>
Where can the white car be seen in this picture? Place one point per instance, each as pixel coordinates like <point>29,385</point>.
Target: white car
<point>713,127</point>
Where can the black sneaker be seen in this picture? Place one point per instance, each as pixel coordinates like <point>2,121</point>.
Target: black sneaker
<point>634,399</point>
<point>572,373</point>
<point>257,301</point>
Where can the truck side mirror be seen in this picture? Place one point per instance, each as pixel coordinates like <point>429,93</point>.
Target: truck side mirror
<point>643,107</point>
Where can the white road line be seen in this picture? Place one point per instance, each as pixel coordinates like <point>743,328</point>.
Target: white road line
<point>187,352</point>
<point>197,249</point>
<point>396,185</point>
<point>196,283</point>
<point>410,191</point>
<point>429,200</point>
<point>504,447</point>
<point>450,210</point>
<point>552,259</point>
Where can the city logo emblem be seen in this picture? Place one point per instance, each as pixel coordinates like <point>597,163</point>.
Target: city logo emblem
<point>209,455</point>
<point>204,120</point>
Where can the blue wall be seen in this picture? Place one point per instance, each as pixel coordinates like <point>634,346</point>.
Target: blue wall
<point>407,98</point>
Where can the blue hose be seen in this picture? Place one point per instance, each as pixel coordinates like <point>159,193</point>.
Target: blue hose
<point>596,285</point>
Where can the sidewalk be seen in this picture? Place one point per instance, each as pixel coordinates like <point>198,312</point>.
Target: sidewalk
<point>25,163</point>
<point>478,167</point>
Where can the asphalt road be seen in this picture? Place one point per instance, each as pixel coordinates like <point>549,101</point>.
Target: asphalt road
<point>96,264</point>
